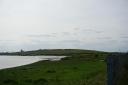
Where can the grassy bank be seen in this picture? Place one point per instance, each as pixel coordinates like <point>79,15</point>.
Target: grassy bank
<point>78,69</point>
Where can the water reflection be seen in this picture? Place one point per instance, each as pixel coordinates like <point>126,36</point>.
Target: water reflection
<point>14,61</point>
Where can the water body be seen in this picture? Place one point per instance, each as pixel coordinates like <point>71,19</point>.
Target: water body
<point>14,61</point>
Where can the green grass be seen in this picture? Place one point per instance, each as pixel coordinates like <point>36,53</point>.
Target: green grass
<point>75,70</point>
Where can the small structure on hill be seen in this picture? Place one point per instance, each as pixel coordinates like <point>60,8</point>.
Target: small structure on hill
<point>21,52</point>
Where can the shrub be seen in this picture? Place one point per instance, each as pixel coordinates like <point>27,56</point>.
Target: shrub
<point>51,71</point>
<point>41,82</point>
<point>10,82</point>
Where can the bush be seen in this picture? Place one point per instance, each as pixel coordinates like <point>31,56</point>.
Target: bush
<point>41,82</point>
<point>51,71</point>
<point>10,82</point>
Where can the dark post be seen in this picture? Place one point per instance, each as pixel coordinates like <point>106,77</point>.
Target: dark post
<point>117,68</point>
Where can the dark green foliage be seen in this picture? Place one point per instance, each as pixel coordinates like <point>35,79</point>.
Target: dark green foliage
<point>28,81</point>
<point>9,82</point>
<point>50,71</point>
<point>41,82</point>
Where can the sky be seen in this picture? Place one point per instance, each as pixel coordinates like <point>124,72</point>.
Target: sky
<point>62,24</point>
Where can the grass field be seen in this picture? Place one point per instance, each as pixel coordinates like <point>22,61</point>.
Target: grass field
<point>73,70</point>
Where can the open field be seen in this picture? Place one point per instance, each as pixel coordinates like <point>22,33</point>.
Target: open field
<point>78,69</point>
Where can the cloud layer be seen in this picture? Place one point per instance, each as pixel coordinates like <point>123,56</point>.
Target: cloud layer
<point>80,24</point>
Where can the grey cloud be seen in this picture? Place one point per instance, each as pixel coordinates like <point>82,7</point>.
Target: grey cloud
<point>71,41</point>
<point>41,35</point>
<point>66,33</point>
<point>77,29</point>
<point>108,39</point>
<point>105,38</point>
<point>54,33</point>
<point>125,41</point>
<point>113,40</point>
<point>7,40</point>
<point>92,30</point>
<point>125,37</point>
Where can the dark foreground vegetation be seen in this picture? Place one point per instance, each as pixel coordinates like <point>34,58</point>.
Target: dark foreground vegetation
<point>81,67</point>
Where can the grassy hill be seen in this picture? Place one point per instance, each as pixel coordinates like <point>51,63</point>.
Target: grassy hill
<point>81,67</point>
<point>53,52</point>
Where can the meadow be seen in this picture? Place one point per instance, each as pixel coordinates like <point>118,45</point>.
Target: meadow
<point>75,69</point>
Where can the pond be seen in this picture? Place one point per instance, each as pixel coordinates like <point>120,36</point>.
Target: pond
<point>14,61</point>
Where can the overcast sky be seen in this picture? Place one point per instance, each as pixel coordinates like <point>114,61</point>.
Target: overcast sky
<point>48,24</point>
